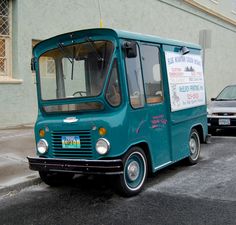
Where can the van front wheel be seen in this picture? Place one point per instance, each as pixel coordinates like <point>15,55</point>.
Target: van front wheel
<point>134,174</point>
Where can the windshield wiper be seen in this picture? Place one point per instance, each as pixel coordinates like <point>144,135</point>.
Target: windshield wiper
<point>64,52</point>
<point>225,99</point>
<point>91,42</point>
<point>61,47</point>
<point>73,60</point>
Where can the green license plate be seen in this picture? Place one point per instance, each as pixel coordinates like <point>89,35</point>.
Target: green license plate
<point>70,141</point>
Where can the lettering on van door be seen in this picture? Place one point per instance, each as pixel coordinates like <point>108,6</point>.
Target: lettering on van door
<point>158,121</point>
<point>186,81</point>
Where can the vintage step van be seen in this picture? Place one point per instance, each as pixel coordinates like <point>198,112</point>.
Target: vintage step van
<point>117,103</point>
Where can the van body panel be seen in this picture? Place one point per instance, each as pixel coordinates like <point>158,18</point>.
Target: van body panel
<point>165,132</point>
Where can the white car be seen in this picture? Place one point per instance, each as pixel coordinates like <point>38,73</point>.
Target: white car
<point>222,110</point>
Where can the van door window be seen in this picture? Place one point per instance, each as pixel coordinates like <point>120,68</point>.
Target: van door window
<point>113,89</point>
<point>151,73</point>
<point>135,81</point>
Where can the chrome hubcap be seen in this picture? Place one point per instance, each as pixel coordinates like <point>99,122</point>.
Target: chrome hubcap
<point>193,146</point>
<point>133,171</point>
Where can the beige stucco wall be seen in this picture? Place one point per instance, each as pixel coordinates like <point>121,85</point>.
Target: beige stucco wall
<point>226,8</point>
<point>33,19</point>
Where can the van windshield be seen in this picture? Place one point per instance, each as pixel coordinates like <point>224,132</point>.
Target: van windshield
<point>75,71</point>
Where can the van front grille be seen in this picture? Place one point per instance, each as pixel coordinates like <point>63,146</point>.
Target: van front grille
<point>84,152</point>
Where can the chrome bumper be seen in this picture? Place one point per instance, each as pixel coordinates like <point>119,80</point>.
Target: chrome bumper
<point>76,165</point>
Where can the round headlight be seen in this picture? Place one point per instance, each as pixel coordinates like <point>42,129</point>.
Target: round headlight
<point>102,146</point>
<point>42,146</point>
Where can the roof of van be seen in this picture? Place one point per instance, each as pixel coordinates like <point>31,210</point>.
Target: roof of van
<point>153,38</point>
<point>118,34</point>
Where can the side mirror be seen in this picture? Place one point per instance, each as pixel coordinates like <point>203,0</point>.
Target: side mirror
<point>32,65</point>
<point>130,49</point>
<point>213,99</point>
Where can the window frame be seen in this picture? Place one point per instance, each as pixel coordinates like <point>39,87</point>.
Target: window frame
<point>115,60</point>
<point>8,78</point>
<point>39,75</point>
<point>7,75</point>
<point>161,73</point>
<point>139,59</point>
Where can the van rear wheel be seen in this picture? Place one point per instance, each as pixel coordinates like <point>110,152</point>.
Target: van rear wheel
<point>134,174</point>
<point>194,147</point>
<point>55,178</point>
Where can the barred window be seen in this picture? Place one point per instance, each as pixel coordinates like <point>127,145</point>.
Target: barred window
<point>48,66</point>
<point>2,56</point>
<point>5,38</point>
<point>51,70</point>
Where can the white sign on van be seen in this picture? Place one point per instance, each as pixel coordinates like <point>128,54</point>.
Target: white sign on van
<point>186,81</point>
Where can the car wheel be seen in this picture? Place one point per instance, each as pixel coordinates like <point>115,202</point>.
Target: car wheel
<point>55,178</point>
<point>134,174</point>
<point>194,147</point>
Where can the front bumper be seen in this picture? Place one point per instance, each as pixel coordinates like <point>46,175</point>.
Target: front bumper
<point>213,122</point>
<point>76,165</point>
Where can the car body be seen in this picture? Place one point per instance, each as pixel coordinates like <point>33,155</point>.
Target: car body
<point>222,110</point>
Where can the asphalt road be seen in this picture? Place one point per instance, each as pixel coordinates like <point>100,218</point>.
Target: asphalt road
<point>200,194</point>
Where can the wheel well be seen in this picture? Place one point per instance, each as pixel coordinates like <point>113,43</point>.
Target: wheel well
<point>200,132</point>
<point>144,146</point>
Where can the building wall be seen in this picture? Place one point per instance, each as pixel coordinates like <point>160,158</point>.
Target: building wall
<point>174,19</point>
<point>225,8</point>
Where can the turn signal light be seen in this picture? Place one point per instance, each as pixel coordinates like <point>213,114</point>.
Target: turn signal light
<point>102,131</point>
<point>42,133</point>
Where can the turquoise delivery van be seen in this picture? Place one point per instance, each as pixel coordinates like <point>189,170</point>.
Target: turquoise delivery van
<point>116,103</point>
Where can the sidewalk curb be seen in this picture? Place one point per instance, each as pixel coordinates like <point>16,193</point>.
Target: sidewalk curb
<point>16,187</point>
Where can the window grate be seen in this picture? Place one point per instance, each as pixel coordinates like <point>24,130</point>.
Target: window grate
<point>2,57</point>
<point>50,66</point>
<point>5,39</point>
<point>4,18</point>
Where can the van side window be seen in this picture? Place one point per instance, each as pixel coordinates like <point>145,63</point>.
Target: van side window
<point>113,89</point>
<point>152,73</point>
<point>135,81</point>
